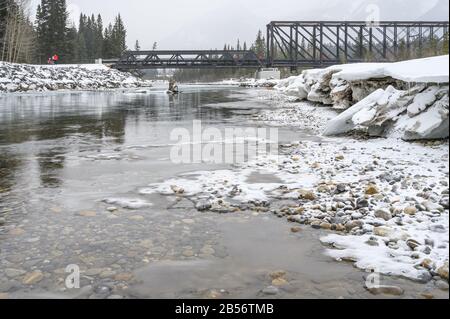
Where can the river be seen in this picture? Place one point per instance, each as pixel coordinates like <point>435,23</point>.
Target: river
<point>63,153</point>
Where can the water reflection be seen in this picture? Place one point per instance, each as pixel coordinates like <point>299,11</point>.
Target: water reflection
<point>39,132</point>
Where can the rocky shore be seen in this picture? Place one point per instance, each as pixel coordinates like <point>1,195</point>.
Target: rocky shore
<point>38,78</point>
<point>407,99</point>
<point>382,204</point>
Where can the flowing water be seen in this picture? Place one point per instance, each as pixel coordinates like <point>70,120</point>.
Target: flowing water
<point>62,154</point>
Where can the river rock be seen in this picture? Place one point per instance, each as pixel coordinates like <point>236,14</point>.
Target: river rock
<point>372,190</point>
<point>296,229</point>
<point>203,205</point>
<point>270,291</point>
<point>383,214</point>
<point>307,195</point>
<point>427,264</point>
<point>87,213</point>
<point>13,273</point>
<point>410,210</point>
<point>383,231</point>
<point>413,244</point>
<point>278,282</point>
<point>386,290</point>
<point>442,285</point>
<point>123,277</point>
<point>443,271</point>
<point>33,277</point>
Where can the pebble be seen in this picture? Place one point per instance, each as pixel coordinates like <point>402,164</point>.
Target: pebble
<point>443,271</point>
<point>427,264</point>
<point>296,229</point>
<point>326,226</point>
<point>123,277</point>
<point>386,290</point>
<point>87,213</point>
<point>383,214</point>
<point>13,273</point>
<point>278,282</point>
<point>102,290</point>
<point>383,231</point>
<point>33,277</point>
<point>413,244</point>
<point>307,195</point>
<point>207,250</point>
<point>341,188</point>
<point>427,295</point>
<point>188,253</point>
<point>372,190</point>
<point>203,205</point>
<point>410,210</point>
<point>442,285</point>
<point>270,291</point>
<point>277,274</point>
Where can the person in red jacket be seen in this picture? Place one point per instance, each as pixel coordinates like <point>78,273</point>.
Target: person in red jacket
<point>55,58</point>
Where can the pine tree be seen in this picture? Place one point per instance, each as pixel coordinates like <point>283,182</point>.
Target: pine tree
<point>52,30</point>
<point>108,42</point>
<point>99,37</point>
<point>259,46</point>
<point>118,37</point>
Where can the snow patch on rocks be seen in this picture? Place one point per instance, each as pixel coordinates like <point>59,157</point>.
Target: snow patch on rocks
<point>36,78</point>
<point>406,99</point>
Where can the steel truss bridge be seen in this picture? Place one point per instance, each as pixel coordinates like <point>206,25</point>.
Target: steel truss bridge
<point>305,44</point>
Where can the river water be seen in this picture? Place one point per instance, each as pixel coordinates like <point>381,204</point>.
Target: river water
<point>62,154</point>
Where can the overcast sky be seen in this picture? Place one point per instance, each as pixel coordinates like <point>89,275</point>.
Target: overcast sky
<point>208,24</point>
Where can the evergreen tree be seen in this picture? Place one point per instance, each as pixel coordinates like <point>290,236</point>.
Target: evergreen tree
<point>259,46</point>
<point>99,37</point>
<point>108,43</point>
<point>52,30</point>
<point>118,37</point>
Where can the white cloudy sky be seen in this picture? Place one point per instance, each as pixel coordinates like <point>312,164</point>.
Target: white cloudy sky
<point>205,24</point>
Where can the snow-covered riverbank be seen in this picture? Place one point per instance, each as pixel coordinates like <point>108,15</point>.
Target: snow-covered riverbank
<point>36,78</point>
<point>382,203</point>
<point>406,99</point>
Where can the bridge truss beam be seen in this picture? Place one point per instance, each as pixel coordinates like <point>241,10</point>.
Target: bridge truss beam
<point>189,59</point>
<point>312,43</point>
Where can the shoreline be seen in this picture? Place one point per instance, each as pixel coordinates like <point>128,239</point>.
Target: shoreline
<point>380,214</point>
<point>22,78</point>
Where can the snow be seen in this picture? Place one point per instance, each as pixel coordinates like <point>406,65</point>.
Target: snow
<point>422,101</point>
<point>25,77</point>
<point>428,70</point>
<point>377,96</point>
<point>128,203</point>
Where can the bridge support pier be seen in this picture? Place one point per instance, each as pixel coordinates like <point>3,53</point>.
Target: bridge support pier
<point>268,74</point>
